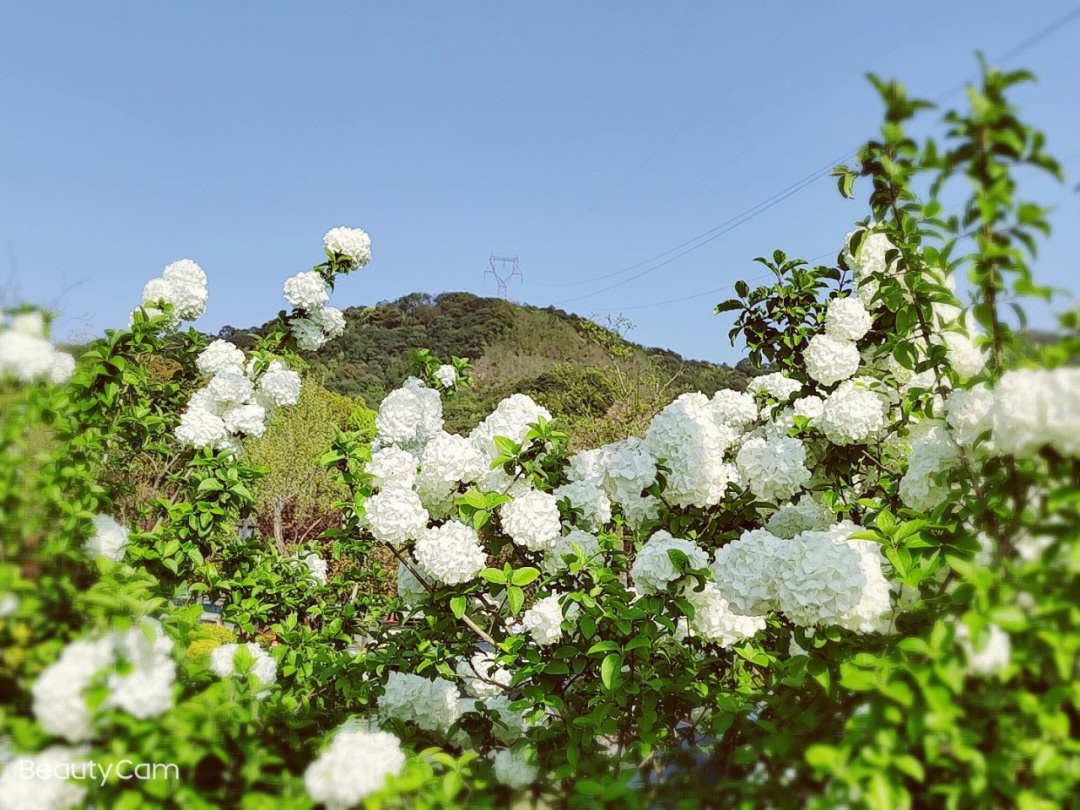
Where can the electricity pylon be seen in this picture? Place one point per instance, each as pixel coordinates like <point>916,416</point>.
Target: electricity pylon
<point>503,269</point>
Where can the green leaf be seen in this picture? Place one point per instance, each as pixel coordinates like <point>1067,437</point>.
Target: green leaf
<point>494,575</point>
<point>515,598</point>
<point>457,605</point>
<point>523,576</point>
<point>608,669</point>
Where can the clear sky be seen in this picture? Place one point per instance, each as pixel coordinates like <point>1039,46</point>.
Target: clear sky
<point>585,138</point>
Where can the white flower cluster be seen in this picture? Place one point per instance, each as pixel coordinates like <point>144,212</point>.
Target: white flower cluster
<point>868,264</point>
<point>451,553</point>
<point>316,567</point>
<point>773,469</point>
<point>968,414</point>
<point>182,284</point>
<point>830,359</point>
<point>653,569</point>
<point>432,705</point>
<point>566,546</point>
<point>318,323</point>
<point>392,466</point>
<point>510,419</point>
<point>446,375</point>
<point>532,519</point>
<point>395,515</point>
<point>513,769</point>
<point>736,409</point>
<point>263,665</point>
<point>777,385</point>
<point>109,539</point>
<point>993,653</point>
<point>409,588</point>
<point>687,437</point>
<point>622,470</point>
<point>932,454</point>
<point>1035,408</point>
<point>807,515</point>
<point>28,356</point>
<point>48,788</point>
<point>143,689</point>
<point>448,461</point>
<point>543,620</point>
<point>482,677</point>
<point>352,243</point>
<point>715,621</point>
<point>851,414</point>
<point>409,416</point>
<point>847,319</point>
<point>355,765</point>
<point>589,499</point>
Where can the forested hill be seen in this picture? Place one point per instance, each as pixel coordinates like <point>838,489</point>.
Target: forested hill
<point>600,384</point>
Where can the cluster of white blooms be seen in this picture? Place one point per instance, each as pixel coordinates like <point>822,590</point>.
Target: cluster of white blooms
<point>352,243</point>
<point>773,469</point>
<point>811,407</point>
<point>481,676</point>
<point>409,416</point>
<point>815,580</point>
<point>432,705</point>
<point>968,414</point>
<point>868,263</point>
<point>871,612</point>
<point>804,516</point>
<point>715,621</point>
<point>237,400</point>
<point>392,466</point>
<point>316,567</point>
<point>28,356</point>
<point>448,460</point>
<point>777,385</point>
<point>510,419</point>
<point>992,655</point>
<point>622,470</point>
<point>395,515</point>
<point>446,375</point>
<point>741,571</point>
<point>830,359</point>
<point>1034,408</point>
<point>847,319</point>
<point>263,665</point>
<point>513,769</point>
<point>9,603</point>
<point>182,284</point>
<point>42,782</point>
<point>851,414</point>
<point>589,499</point>
<point>409,588</point>
<point>109,539</point>
<point>933,453</point>
<point>736,409</point>
<point>686,436</point>
<point>451,553</point>
<point>564,546</point>
<point>307,293</point>
<point>143,689</point>
<point>355,765</point>
<point>544,619</point>
<point>532,519</point>
<point>653,568</point>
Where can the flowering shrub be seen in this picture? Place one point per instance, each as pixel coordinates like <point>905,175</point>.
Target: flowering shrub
<point>854,584</point>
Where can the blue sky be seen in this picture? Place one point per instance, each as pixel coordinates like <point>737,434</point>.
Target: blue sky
<point>584,138</point>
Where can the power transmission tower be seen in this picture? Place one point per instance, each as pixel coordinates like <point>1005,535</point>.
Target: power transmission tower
<point>503,269</point>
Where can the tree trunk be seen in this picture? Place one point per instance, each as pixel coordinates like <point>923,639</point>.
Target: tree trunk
<point>279,540</point>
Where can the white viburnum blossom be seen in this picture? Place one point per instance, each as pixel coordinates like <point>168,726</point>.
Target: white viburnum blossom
<point>847,319</point>
<point>715,621</point>
<point>28,323</point>
<point>219,356</point>
<point>868,264</point>
<point>968,414</point>
<point>200,428</point>
<point>736,409</point>
<point>230,387</point>
<point>513,769</point>
<point>627,468</point>
<point>279,386</point>
<point>59,702</point>
<point>851,414</point>
<point>409,416</point>
<point>263,666</point>
<point>935,452</point>
<point>510,419</point>
<point>1034,408</point>
<point>532,519</point>
<point>29,358</point>
<point>543,621</point>
<point>830,360</point>
<point>446,375</point>
<point>589,499</point>
<point>653,568</point>
<point>450,553</point>
<point>481,676</point>
<point>816,581</point>
<point>447,461</point>
<point>871,613</point>
<point>392,466</point>
<point>990,655</point>
<point>804,516</point>
<point>47,788</point>
<point>352,243</point>
<point>564,546</point>
<point>146,689</point>
<point>109,539</point>
<point>248,419</point>
<point>810,407</point>
<point>741,570</point>
<point>316,567</point>
<point>309,334</point>
<point>329,319</point>
<point>187,289</point>
<point>409,588</point>
<point>432,705</point>
<point>693,444</point>
<point>777,385</point>
<point>355,765</point>
<point>306,290</point>
<point>395,515</point>
<point>773,469</point>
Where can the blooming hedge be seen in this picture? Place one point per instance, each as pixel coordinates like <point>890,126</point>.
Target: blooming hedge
<point>854,584</point>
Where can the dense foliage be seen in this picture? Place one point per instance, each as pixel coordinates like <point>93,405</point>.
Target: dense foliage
<point>853,584</point>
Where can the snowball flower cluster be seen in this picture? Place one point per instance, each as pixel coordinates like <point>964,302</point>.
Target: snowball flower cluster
<point>589,499</point>
<point>395,515</point>
<point>777,385</point>
<point>392,466</point>
<point>847,319</point>
<point>715,621</point>
<point>59,702</point>
<point>278,386</point>
<point>448,460</point>
<point>1035,408</point>
<point>450,553</point>
<point>481,676</point>
<point>830,359</point>
<point>219,356</point>
<point>741,570</point>
<point>653,568</point>
<point>316,567</point>
<point>513,769</point>
<point>868,263</point>
<point>409,416</point>
<point>968,414</point>
<point>146,689</point>
<point>183,285</point>
<point>736,409</point>
<point>352,243</point>
<point>933,453</point>
<point>532,519</point>
<point>851,414</point>
<point>263,665</point>
<point>543,621</point>
<point>566,545</point>
<point>804,516</point>
<point>409,588</point>
<point>50,787</point>
<point>871,612</point>
<point>446,375</point>
<point>28,356</point>
<point>685,434</point>
<point>991,655</point>
<point>432,705</point>
<point>510,419</point>
<point>815,580</point>
<point>774,469</point>
<point>355,765</point>
<point>307,292</point>
<point>109,539</point>
<point>623,470</point>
